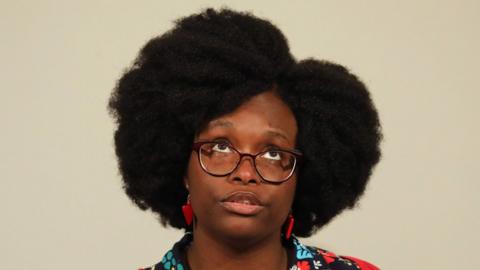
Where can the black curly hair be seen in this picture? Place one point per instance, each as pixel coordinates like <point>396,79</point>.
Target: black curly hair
<point>208,65</point>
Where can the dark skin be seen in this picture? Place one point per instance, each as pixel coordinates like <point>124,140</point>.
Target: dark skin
<point>230,240</point>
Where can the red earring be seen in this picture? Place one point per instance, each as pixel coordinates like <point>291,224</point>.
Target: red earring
<point>187,211</point>
<point>289,226</point>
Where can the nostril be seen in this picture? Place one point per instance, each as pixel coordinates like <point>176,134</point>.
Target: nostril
<point>245,181</point>
<point>252,181</point>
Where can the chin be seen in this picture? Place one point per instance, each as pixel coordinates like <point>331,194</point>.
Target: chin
<point>244,231</point>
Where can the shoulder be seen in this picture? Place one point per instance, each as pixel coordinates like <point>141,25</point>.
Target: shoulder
<point>310,258</point>
<point>340,262</point>
<point>173,259</point>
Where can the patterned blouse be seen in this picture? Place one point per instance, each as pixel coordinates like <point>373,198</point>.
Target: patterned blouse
<point>300,257</point>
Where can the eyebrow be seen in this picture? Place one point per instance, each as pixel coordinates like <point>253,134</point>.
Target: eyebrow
<point>228,124</point>
<point>276,134</point>
<point>220,123</point>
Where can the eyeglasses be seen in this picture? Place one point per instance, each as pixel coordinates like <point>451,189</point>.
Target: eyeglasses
<point>221,159</point>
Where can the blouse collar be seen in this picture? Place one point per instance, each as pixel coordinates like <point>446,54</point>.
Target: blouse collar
<point>300,257</point>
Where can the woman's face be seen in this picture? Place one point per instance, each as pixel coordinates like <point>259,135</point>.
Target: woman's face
<point>262,123</point>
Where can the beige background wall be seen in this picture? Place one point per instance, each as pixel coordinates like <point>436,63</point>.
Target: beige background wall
<point>61,201</point>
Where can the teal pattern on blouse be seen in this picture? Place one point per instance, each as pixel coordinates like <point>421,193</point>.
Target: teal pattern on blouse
<point>300,257</point>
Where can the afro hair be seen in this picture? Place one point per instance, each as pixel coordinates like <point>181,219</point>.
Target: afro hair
<point>208,65</point>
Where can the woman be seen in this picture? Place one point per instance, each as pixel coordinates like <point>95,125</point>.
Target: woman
<point>221,132</point>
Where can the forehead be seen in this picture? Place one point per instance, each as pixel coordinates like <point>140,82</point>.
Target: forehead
<point>265,114</point>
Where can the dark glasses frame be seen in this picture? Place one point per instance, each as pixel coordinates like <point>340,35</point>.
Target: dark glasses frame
<point>296,153</point>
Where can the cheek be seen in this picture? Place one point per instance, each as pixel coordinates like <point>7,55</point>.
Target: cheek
<point>284,198</point>
<point>195,176</point>
<point>289,188</point>
<point>290,192</point>
<point>200,186</point>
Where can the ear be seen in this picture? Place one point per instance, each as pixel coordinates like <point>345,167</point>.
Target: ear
<point>186,183</point>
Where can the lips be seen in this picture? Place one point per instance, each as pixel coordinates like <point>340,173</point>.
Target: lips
<point>242,203</point>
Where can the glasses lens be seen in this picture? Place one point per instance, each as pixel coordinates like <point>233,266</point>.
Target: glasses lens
<point>275,165</point>
<point>218,158</point>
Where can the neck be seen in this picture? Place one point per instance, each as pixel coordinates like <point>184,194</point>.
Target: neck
<point>207,252</point>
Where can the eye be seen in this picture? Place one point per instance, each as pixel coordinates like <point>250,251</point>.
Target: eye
<point>221,147</point>
<point>273,155</point>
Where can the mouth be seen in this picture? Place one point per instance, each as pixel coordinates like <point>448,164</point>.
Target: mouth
<point>242,203</point>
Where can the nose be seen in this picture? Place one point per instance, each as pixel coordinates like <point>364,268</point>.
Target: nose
<point>245,172</point>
